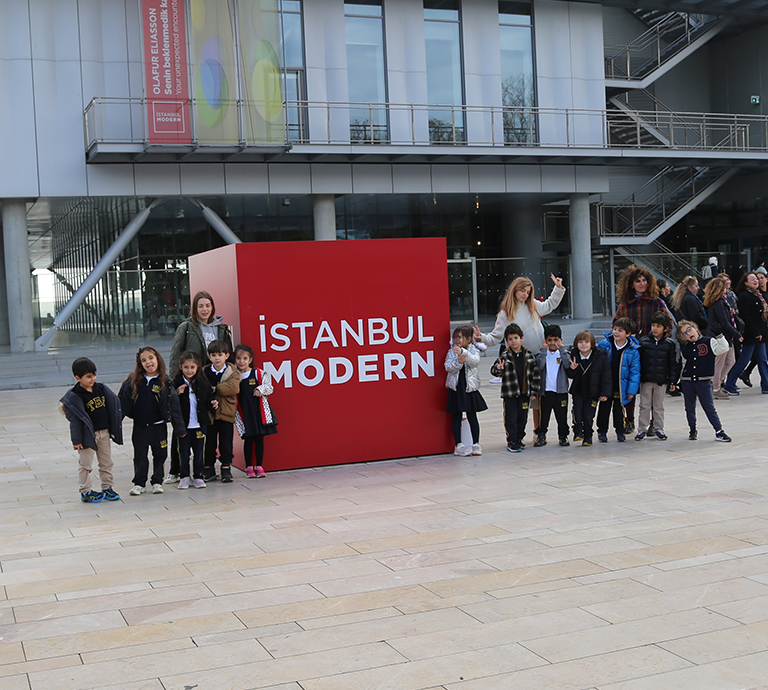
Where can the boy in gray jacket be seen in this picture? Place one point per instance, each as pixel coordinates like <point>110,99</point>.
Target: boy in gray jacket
<point>553,360</point>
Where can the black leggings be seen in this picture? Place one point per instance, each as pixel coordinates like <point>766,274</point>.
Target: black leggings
<point>474,425</point>
<point>251,445</point>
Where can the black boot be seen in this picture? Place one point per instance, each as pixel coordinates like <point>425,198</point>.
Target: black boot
<point>209,473</point>
<point>226,474</point>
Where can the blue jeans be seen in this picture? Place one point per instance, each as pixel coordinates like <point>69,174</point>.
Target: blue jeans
<point>746,355</point>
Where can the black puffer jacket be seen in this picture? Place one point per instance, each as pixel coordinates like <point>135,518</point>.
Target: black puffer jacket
<point>751,311</point>
<point>659,360</point>
<point>204,393</point>
<point>598,371</point>
<point>721,320</point>
<point>691,309</point>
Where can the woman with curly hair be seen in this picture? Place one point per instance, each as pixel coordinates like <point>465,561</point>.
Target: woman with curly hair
<point>638,297</point>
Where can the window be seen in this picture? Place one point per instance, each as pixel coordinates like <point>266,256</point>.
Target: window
<point>517,84</point>
<point>445,90</point>
<point>366,74</point>
<point>292,46</point>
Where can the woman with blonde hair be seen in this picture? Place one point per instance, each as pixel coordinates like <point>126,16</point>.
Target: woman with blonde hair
<point>722,319</point>
<point>521,307</point>
<point>687,305</point>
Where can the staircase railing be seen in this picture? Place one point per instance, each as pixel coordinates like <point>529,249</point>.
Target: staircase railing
<point>649,50</point>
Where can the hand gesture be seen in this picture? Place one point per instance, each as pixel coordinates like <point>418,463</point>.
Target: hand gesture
<point>557,281</point>
<point>603,398</point>
<point>79,446</point>
<point>574,364</point>
<point>500,363</point>
<point>478,334</point>
<point>181,388</point>
<point>456,350</point>
<point>215,404</point>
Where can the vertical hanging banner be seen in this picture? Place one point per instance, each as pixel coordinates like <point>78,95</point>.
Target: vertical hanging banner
<point>213,50</point>
<point>259,34</point>
<point>165,71</point>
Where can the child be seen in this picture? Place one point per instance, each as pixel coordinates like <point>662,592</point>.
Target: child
<point>659,368</point>
<point>225,382</point>
<point>591,374</point>
<point>196,401</point>
<point>699,354</point>
<point>258,417</point>
<point>463,382</point>
<point>624,359</point>
<point>149,398</point>
<point>93,411</point>
<point>553,362</point>
<point>519,384</point>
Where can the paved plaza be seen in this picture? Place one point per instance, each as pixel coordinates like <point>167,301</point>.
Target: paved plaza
<point>635,566</point>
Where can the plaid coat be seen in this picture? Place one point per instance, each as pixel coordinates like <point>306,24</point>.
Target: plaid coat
<point>504,366</point>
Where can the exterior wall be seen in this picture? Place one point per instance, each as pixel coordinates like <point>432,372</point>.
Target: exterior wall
<point>736,66</point>
<point>686,88</point>
<point>569,68</point>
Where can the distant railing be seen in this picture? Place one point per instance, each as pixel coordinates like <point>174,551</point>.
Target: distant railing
<point>123,121</point>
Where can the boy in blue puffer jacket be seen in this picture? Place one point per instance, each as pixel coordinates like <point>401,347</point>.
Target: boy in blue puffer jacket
<point>623,353</point>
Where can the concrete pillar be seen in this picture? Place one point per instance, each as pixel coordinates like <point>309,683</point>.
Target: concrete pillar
<point>17,275</point>
<point>324,214</point>
<point>5,335</point>
<point>581,257</point>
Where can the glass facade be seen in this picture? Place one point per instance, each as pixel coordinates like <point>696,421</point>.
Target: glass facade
<point>517,79</point>
<point>445,87</point>
<point>366,74</point>
<point>292,46</point>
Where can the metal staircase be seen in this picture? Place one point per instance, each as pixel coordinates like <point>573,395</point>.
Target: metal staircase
<point>660,203</point>
<point>671,38</point>
<point>659,260</point>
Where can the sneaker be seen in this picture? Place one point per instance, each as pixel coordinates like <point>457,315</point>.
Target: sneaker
<point>514,449</point>
<point>260,473</point>
<point>720,394</point>
<point>564,442</point>
<point>621,438</point>
<point>157,488</point>
<point>251,473</point>
<point>603,438</point>
<point>693,435</point>
<point>675,393</point>
<point>110,494</point>
<point>731,393</point>
<point>745,380</point>
<point>137,490</point>
<point>209,474</point>
<point>522,446</point>
<point>184,483</point>
<point>92,497</point>
<point>171,479</point>
<point>629,426</point>
<point>226,474</point>
<point>477,449</point>
<point>586,442</point>
<point>199,483</point>
<point>640,435</point>
<point>540,441</point>
<point>577,438</point>
<point>495,379</point>
<point>461,450</point>
<point>661,435</point>
<point>722,436</point>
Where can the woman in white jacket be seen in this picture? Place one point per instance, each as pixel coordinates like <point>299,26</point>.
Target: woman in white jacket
<point>520,306</point>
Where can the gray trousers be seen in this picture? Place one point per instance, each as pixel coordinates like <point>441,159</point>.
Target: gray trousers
<point>651,399</point>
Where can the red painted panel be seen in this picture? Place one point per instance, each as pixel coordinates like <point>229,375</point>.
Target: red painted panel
<point>326,318</point>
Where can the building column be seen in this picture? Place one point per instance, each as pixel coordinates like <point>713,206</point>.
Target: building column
<point>17,275</point>
<point>5,337</point>
<point>324,214</point>
<point>581,257</point>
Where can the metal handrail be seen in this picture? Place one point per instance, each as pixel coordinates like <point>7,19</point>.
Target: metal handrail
<point>123,121</point>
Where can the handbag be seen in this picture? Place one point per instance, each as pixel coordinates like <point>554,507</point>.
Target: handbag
<point>740,325</point>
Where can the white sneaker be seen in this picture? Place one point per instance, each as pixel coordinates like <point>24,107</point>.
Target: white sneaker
<point>137,490</point>
<point>157,488</point>
<point>477,449</point>
<point>199,484</point>
<point>495,379</point>
<point>184,483</point>
<point>461,450</point>
<point>171,479</point>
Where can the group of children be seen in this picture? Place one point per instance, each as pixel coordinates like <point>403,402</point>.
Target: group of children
<point>204,404</point>
<point>602,378</point>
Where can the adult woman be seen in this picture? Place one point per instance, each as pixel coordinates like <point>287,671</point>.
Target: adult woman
<point>520,306</point>
<point>687,305</point>
<point>638,296</point>
<point>198,331</point>
<point>753,309</point>
<point>722,319</point>
<point>762,279</point>
<point>665,292</point>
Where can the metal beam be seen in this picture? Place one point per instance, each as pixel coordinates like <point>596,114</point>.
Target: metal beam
<point>99,271</point>
<point>226,233</point>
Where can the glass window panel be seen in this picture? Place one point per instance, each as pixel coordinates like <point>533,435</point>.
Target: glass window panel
<point>368,8</point>
<point>517,83</point>
<point>444,80</point>
<point>293,44</point>
<point>366,78</point>
<point>514,13</point>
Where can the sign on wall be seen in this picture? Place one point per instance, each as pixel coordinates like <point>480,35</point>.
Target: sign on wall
<point>354,334</point>
<point>165,71</point>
